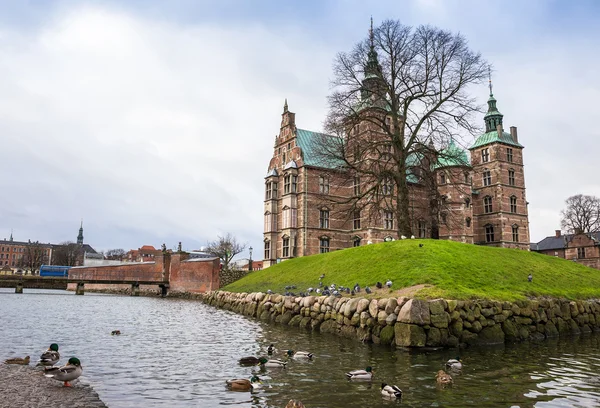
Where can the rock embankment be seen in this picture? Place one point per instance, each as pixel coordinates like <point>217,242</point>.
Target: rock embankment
<point>406,322</point>
<point>23,386</point>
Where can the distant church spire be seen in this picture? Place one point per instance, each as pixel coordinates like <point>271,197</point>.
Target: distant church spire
<point>80,236</point>
<point>11,231</point>
<point>493,117</point>
<point>285,106</point>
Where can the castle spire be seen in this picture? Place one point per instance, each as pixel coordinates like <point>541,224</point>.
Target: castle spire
<point>80,236</point>
<point>371,38</point>
<point>493,117</point>
<point>490,80</point>
<point>285,106</point>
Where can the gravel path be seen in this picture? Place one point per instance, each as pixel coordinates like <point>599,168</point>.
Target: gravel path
<point>25,387</point>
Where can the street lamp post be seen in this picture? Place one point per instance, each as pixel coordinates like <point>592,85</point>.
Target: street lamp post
<point>250,261</point>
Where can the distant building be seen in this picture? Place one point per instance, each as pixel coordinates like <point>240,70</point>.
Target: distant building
<point>146,253</point>
<point>583,248</point>
<point>15,254</point>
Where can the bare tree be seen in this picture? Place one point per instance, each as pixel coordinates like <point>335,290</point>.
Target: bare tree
<point>225,248</point>
<point>400,97</point>
<point>34,256</point>
<point>582,214</point>
<point>116,254</point>
<point>66,253</point>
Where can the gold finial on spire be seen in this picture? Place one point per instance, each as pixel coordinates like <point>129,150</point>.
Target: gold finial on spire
<point>490,80</point>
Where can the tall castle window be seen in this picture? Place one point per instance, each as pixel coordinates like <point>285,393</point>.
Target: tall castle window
<point>581,253</point>
<point>267,249</point>
<point>444,217</point>
<point>324,219</point>
<point>487,204</point>
<point>485,155</point>
<point>286,184</point>
<point>271,190</point>
<point>294,183</point>
<point>442,178</point>
<point>467,203</point>
<point>324,245</point>
<point>356,185</point>
<point>422,226</point>
<point>356,221</point>
<point>515,233</point>
<point>489,233</point>
<point>388,219</point>
<point>487,177</point>
<point>323,185</point>
<point>388,186</point>
<point>286,247</point>
<point>268,191</point>
<point>270,222</point>
<point>468,222</point>
<point>509,154</point>
<point>513,204</point>
<point>511,177</point>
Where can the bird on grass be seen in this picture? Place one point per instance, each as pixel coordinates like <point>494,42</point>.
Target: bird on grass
<point>454,363</point>
<point>388,283</point>
<point>357,288</point>
<point>368,290</point>
<point>420,245</point>
<point>391,391</point>
<point>379,285</point>
<point>18,360</point>
<point>272,363</point>
<point>50,356</point>
<point>300,355</point>
<point>366,374</point>
<point>443,378</point>
<point>69,372</point>
<point>242,384</point>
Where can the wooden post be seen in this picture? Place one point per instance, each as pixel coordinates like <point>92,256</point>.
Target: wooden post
<point>80,288</point>
<point>135,289</point>
<point>19,288</point>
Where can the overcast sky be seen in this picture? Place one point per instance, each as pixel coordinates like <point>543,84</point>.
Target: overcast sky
<point>154,121</point>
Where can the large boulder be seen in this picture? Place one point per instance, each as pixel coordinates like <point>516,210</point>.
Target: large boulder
<point>373,308</point>
<point>363,304</point>
<point>415,311</point>
<point>409,335</point>
<point>351,306</point>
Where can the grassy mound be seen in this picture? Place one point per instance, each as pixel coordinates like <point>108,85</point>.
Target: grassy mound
<point>454,271</point>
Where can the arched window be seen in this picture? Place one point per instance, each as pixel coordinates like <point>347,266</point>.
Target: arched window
<point>487,204</point>
<point>467,202</point>
<point>489,233</point>
<point>468,222</point>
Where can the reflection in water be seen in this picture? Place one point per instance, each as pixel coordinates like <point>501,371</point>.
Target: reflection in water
<point>179,353</point>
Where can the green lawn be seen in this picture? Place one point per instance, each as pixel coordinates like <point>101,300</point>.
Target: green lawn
<point>455,271</point>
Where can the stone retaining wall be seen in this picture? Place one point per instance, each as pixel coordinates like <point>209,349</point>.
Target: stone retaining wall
<point>408,322</point>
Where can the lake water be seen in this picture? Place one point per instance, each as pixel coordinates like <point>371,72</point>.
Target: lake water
<point>178,353</point>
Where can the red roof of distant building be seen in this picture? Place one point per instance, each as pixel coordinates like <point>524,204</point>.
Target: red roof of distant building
<point>147,248</point>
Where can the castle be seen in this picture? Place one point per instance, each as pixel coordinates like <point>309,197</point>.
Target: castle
<point>483,198</point>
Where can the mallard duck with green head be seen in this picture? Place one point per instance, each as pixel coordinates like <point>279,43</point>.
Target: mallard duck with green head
<point>366,374</point>
<point>272,363</point>
<point>300,355</point>
<point>17,360</point>
<point>391,391</point>
<point>454,363</point>
<point>50,356</point>
<point>242,384</point>
<point>69,372</point>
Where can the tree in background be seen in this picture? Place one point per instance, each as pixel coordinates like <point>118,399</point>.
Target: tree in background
<point>582,214</point>
<point>399,96</point>
<point>34,256</point>
<point>66,254</point>
<point>226,248</point>
<point>116,254</point>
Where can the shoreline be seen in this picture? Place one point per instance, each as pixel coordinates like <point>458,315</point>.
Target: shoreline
<point>24,386</point>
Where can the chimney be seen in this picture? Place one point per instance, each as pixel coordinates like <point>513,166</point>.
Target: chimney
<point>513,134</point>
<point>556,231</point>
<point>499,130</point>
<point>578,231</point>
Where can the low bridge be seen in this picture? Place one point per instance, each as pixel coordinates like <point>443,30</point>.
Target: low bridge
<point>83,276</point>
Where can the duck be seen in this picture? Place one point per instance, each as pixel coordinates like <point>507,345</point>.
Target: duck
<point>443,378</point>
<point>300,355</point>
<point>115,333</point>
<point>391,391</point>
<point>249,361</point>
<point>18,360</point>
<point>242,384</point>
<point>272,363</point>
<point>365,374</point>
<point>294,404</point>
<point>50,356</point>
<point>454,363</point>
<point>69,372</point>
<point>271,349</point>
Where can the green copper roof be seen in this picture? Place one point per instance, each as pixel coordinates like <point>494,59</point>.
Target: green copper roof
<point>493,137</point>
<point>452,156</point>
<point>311,144</point>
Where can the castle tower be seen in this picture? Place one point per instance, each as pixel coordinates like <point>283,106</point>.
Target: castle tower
<point>499,202</point>
<point>80,236</point>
